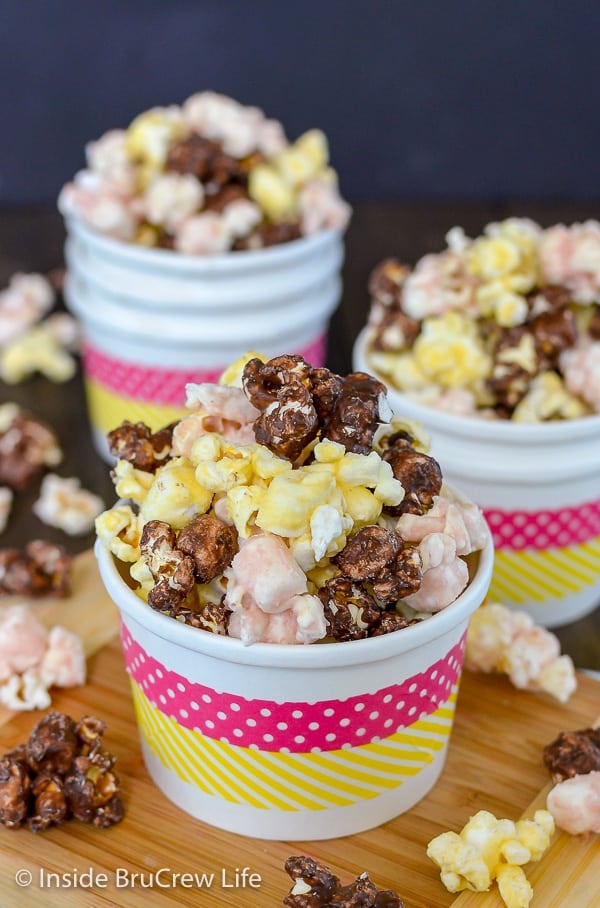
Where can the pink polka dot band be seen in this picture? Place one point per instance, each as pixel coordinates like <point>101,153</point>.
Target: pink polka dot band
<point>544,529</point>
<point>164,386</point>
<point>293,727</point>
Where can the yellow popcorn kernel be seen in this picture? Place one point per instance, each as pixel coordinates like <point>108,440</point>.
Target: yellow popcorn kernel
<point>329,451</point>
<point>493,257</point>
<point>131,483</point>
<point>175,496</point>
<point>360,469</point>
<point>514,887</point>
<point>267,465</point>
<point>449,351</point>
<point>291,498</point>
<point>548,398</point>
<point>268,188</point>
<point>140,572</point>
<point>233,374</point>
<point>243,503</point>
<point>362,506</point>
<point>207,448</point>
<point>420,439</point>
<point>507,307</point>
<point>320,574</point>
<point>119,530</point>
<point>489,849</point>
<point>151,134</point>
<point>524,354</point>
<point>403,370</point>
<point>146,235</point>
<point>224,475</point>
<point>36,350</point>
<point>314,146</point>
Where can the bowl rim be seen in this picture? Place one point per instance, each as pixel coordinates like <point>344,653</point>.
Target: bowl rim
<point>170,259</point>
<point>502,431</point>
<point>297,657</point>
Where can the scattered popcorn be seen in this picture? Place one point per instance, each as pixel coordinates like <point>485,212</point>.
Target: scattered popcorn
<point>489,849</point>
<point>64,504</point>
<point>287,508</point>
<point>32,660</point>
<point>573,758</point>
<point>505,325</point>
<point>575,803</point>
<point>506,640</point>
<point>24,302</point>
<point>27,447</point>
<point>43,348</point>
<point>204,178</point>
<point>6,500</point>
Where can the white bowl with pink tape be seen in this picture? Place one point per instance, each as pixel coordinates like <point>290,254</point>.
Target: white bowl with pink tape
<point>539,488</point>
<point>154,319</point>
<point>294,742</point>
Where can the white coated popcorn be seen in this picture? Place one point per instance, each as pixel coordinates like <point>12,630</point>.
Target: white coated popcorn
<point>171,198</point>
<point>63,664</point>
<point>223,119</point>
<point>64,504</point>
<point>25,692</point>
<point>581,370</point>
<point>241,217</point>
<point>109,158</point>
<point>102,207</point>
<point>24,302</point>
<point>321,207</point>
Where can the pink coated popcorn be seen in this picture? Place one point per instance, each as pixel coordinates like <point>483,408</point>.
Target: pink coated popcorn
<point>23,640</point>
<point>575,804</point>
<point>571,256</point>
<point>267,593</point>
<point>218,408</point>
<point>321,208</point>
<point>203,234</point>
<point>445,576</point>
<point>438,284</point>
<point>506,640</point>
<point>581,370</point>
<point>63,663</point>
<point>223,119</point>
<point>108,157</point>
<point>464,522</point>
<point>102,207</point>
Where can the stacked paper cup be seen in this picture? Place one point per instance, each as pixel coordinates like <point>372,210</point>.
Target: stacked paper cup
<point>539,487</point>
<point>154,319</point>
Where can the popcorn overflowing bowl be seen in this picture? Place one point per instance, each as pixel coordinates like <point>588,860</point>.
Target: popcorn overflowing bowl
<point>195,234</point>
<point>494,346</point>
<point>293,614</point>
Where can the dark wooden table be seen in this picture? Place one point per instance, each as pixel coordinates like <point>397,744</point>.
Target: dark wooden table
<point>32,240</point>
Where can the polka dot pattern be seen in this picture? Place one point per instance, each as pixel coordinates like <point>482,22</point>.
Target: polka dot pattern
<point>544,529</point>
<point>293,727</point>
<point>163,386</point>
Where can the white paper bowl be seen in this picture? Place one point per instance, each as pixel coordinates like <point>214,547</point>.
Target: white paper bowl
<point>539,487</point>
<point>154,319</point>
<point>293,742</point>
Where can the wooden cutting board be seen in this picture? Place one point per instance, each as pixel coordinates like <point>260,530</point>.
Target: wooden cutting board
<point>494,763</point>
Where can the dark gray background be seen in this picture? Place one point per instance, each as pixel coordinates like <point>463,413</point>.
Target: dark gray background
<point>422,99</point>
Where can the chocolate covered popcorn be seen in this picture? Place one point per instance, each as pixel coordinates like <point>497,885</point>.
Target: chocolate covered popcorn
<point>204,178</point>
<point>62,772</point>
<point>505,325</point>
<point>289,506</point>
<point>315,886</point>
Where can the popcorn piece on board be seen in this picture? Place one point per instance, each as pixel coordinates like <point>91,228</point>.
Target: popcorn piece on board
<point>27,446</point>
<point>506,640</point>
<point>24,302</point>
<point>64,504</point>
<point>315,886</point>
<point>489,849</point>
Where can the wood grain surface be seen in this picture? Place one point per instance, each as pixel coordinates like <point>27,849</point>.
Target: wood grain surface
<point>494,763</point>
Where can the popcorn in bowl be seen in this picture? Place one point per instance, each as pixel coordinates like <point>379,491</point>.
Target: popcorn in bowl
<point>290,506</point>
<point>206,177</point>
<point>503,326</point>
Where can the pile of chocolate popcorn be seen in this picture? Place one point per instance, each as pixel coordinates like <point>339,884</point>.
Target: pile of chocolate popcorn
<point>62,772</point>
<point>290,506</point>
<point>506,325</point>
<point>206,177</point>
<point>315,886</point>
